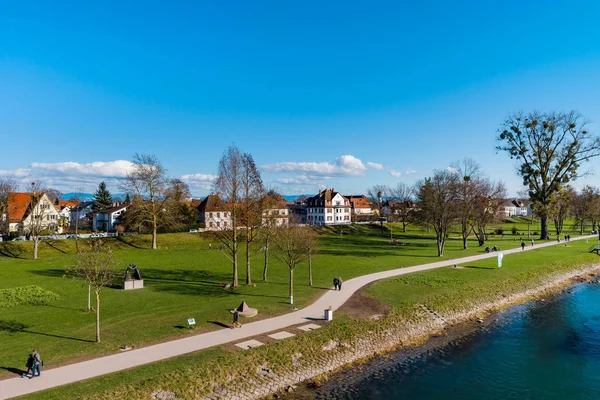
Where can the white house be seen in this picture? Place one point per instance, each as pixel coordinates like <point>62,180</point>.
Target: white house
<point>105,220</point>
<point>275,211</point>
<point>214,214</point>
<point>24,209</point>
<point>360,205</point>
<point>328,208</point>
<point>507,209</point>
<point>523,208</point>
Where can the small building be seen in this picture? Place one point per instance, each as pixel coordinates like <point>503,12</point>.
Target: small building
<point>507,209</point>
<point>81,211</point>
<point>106,220</point>
<point>328,208</point>
<point>275,210</point>
<point>360,205</point>
<point>213,213</point>
<point>24,209</point>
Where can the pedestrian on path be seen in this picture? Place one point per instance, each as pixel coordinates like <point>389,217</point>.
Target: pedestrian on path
<point>29,366</point>
<point>236,320</point>
<point>558,238</point>
<point>337,283</point>
<point>522,245</point>
<point>210,246</point>
<point>37,362</point>
<point>532,242</point>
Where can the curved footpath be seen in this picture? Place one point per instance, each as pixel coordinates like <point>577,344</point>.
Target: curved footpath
<point>105,365</point>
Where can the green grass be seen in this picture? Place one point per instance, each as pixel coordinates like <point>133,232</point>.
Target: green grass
<point>182,280</point>
<point>446,290</point>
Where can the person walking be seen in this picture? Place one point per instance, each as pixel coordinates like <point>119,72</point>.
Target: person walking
<point>532,242</point>
<point>37,362</point>
<point>522,245</point>
<point>236,319</point>
<point>340,283</point>
<point>28,365</point>
<point>335,283</point>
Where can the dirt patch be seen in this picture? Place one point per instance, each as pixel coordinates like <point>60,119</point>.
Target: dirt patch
<point>364,308</point>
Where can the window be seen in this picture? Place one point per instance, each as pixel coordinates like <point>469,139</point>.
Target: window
<point>219,215</point>
<point>328,218</point>
<point>224,223</point>
<point>218,223</point>
<point>211,225</point>
<point>225,215</point>
<point>210,215</point>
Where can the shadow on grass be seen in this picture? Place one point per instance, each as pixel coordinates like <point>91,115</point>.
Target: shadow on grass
<point>221,324</point>
<point>15,371</point>
<point>12,326</point>
<point>12,250</point>
<point>478,267</point>
<point>53,245</point>
<point>129,242</point>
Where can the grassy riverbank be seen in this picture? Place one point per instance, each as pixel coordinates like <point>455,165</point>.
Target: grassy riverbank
<point>182,280</point>
<point>469,290</point>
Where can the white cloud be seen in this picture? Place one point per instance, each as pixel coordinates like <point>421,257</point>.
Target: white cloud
<point>302,180</point>
<point>346,165</point>
<point>15,173</point>
<point>395,173</point>
<point>452,170</point>
<point>199,182</point>
<point>374,165</point>
<point>410,172</point>
<point>115,169</point>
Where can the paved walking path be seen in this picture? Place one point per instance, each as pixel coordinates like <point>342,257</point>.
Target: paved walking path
<point>100,366</point>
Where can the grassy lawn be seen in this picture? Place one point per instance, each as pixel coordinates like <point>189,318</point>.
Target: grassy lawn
<point>445,290</point>
<point>182,280</point>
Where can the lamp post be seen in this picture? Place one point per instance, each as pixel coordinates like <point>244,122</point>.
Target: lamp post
<point>379,197</point>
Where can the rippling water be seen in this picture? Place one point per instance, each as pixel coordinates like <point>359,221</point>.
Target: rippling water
<point>539,350</point>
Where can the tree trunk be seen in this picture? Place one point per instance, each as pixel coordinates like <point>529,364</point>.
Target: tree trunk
<point>309,270</point>
<point>529,228</point>
<point>440,244</point>
<point>581,227</point>
<point>97,317</point>
<point>35,247</point>
<point>248,277</point>
<point>544,228</point>
<point>291,285</point>
<point>154,234</point>
<point>77,234</point>
<point>89,297</point>
<point>234,254</point>
<point>266,259</point>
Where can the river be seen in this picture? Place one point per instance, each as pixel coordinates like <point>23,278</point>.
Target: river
<point>543,349</point>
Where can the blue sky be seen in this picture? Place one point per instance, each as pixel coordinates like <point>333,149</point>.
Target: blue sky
<point>337,94</point>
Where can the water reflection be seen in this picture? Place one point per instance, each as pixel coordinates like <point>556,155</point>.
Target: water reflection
<point>539,350</point>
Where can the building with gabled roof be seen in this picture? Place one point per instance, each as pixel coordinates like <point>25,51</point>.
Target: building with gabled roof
<point>328,208</point>
<point>23,206</point>
<point>360,205</point>
<point>107,219</point>
<point>274,210</point>
<point>213,213</point>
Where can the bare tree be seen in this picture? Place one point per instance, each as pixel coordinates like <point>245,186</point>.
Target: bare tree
<point>437,198</point>
<point>550,148</point>
<point>560,207</point>
<point>377,194</point>
<point>485,206</point>
<point>293,244</point>
<point>229,184</point>
<point>7,186</point>
<point>403,195</point>
<point>253,190</point>
<point>95,267</point>
<point>38,214</point>
<point>270,221</point>
<point>583,204</point>
<point>155,194</point>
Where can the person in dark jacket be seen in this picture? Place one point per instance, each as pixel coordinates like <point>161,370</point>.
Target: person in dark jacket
<point>28,365</point>
<point>37,362</point>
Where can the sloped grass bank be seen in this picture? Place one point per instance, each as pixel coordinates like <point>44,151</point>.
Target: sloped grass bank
<point>469,291</point>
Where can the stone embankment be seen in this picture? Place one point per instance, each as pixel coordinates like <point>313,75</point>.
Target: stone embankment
<point>267,382</point>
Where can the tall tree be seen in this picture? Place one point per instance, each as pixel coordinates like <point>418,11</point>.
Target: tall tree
<point>253,191</point>
<point>583,204</point>
<point>377,194</point>
<point>7,186</point>
<point>102,198</point>
<point>403,195</point>
<point>485,206</point>
<point>155,203</point>
<point>560,207</point>
<point>293,244</point>
<point>438,203</point>
<point>95,267</point>
<point>270,207</point>
<point>550,148</point>
<point>229,184</point>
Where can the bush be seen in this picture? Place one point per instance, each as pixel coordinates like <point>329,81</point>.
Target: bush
<point>535,233</point>
<point>499,231</point>
<point>25,295</point>
<point>514,230</point>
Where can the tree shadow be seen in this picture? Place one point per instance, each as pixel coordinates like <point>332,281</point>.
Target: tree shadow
<point>13,326</point>
<point>129,242</point>
<point>52,244</point>
<point>11,250</point>
<point>15,371</point>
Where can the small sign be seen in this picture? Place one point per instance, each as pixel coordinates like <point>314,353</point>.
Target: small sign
<point>191,322</point>
<point>500,256</point>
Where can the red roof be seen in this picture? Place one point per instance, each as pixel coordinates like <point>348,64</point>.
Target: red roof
<point>65,203</point>
<point>18,203</point>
